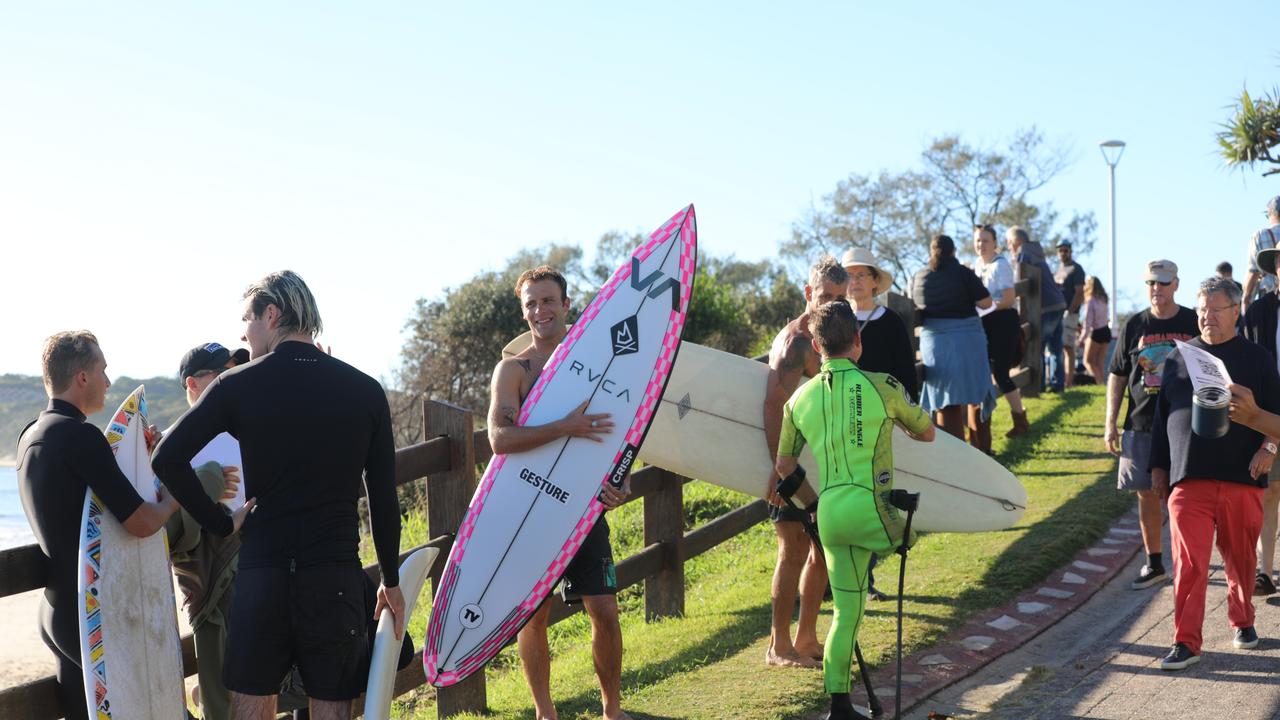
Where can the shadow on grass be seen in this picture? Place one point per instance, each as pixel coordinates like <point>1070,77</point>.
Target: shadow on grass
<point>748,625</point>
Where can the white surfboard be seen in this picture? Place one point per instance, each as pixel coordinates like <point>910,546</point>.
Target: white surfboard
<point>532,510</point>
<point>386,648</point>
<point>129,645</point>
<point>711,427</point>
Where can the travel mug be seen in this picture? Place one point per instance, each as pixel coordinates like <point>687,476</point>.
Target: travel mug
<point>1210,412</point>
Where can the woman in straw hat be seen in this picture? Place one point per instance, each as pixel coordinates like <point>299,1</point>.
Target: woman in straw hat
<point>886,344</point>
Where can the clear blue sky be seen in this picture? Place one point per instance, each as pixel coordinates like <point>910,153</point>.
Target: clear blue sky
<point>155,158</point>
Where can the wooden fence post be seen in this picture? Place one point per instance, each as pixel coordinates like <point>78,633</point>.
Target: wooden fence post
<point>448,495</point>
<point>664,524</point>
<point>1033,359</point>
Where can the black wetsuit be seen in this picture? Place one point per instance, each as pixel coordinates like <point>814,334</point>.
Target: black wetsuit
<point>59,457</point>
<point>310,429</point>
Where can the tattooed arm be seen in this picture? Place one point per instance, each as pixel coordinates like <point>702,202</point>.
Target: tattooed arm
<point>506,437</point>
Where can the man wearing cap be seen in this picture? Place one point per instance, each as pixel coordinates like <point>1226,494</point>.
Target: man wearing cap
<point>205,563</point>
<point>1214,485</point>
<point>1144,342</point>
<point>1070,278</point>
<point>1261,325</point>
<point>1257,283</point>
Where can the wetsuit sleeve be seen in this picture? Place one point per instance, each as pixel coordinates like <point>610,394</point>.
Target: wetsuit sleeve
<point>899,404</point>
<point>172,459</point>
<point>92,460</point>
<point>790,441</point>
<point>380,487</point>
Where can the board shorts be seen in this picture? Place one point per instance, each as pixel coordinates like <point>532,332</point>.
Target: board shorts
<point>591,571</point>
<point>316,618</point>
<point>1070,329</point>
<point>1135,455</point>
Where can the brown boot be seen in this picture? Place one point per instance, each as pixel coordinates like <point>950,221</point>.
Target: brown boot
<point>1020,424</point>
<point>984,436</point>
<point>974,426</point>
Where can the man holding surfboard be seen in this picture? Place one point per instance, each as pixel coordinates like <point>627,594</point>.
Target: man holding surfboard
<point>59,457</point>
<point>800,564</point>
<point>850,415</point>
<point>544,300</point>
<point>312,431</point>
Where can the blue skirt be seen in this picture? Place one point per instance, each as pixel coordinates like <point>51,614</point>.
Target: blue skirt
<point>956,369</point>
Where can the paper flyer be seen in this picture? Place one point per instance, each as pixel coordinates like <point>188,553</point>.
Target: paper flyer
<point>1204,369</point>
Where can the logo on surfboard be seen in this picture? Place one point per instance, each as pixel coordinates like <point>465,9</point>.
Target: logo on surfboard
<point>625,336</point>
<point>654,287</point>
<point>471,616</point>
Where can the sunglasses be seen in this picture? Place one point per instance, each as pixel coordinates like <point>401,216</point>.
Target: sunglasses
<point>1150,283</point>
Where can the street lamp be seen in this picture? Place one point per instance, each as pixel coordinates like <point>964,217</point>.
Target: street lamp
<point>1111,152</point>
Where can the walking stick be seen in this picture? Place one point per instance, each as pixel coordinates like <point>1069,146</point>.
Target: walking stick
<point>786,488</point>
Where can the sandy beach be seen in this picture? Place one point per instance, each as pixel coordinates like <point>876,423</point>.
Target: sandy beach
<point>23,656</point>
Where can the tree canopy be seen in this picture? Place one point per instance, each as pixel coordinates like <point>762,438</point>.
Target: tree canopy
<point>1252,134</point>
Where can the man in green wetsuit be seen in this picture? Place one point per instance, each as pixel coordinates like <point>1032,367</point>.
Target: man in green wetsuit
<point>847,417</point>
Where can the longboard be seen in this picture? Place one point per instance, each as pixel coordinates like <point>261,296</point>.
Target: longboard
<point>386,648</point>
<point>129,645</point>
<point>532,510</point>
<point>710,426</point>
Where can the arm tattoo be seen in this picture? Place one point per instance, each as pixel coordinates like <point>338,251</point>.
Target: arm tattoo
<point>508,413</point>
<point>795,354</point>
<point>524,363</point>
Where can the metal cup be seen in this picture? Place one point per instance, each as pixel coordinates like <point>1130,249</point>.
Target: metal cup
<point>1210,412</point>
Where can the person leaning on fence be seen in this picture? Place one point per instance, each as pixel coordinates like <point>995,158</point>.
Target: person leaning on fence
<point>60,456</point>
<point>1261,323</point>
<point>1025,251</point>
<point>1213,484</point>
<point>953,345</point>
<point>1002,325</point>
<point>800,564</point>
<point>1145,340</point>
<point>1070,278</point>
<point>1257,283</point>
<point>1095,329</point>
<point>855,516</point>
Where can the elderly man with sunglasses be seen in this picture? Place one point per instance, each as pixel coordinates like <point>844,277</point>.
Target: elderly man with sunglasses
<point>1138,362</point>
<point>1214,484</point>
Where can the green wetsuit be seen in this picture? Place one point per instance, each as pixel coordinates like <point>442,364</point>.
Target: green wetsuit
<point>847,417</point>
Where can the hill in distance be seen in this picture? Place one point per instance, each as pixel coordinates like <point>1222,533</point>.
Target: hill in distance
<point>22,398</point>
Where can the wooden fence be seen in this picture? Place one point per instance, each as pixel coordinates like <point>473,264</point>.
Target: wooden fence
<point>448,458</point>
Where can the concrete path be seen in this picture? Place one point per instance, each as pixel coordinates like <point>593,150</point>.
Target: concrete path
<point>1103,661</point>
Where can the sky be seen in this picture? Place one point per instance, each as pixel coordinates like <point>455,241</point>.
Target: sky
<point>157,158</point>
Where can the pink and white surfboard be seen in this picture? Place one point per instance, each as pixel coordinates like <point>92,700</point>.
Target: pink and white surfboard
<point>532,510</point>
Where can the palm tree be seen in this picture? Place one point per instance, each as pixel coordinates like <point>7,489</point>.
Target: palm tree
<point>1253,133</point>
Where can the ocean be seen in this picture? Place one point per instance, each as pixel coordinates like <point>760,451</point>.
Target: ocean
<point>14,530</point>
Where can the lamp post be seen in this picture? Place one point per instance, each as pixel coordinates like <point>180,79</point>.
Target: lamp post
<point>1111,152</point>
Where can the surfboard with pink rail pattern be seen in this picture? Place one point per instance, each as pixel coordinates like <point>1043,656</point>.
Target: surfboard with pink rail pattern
<point>532,510</point>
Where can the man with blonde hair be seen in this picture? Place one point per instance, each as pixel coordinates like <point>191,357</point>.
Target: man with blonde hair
<point>312,430</point>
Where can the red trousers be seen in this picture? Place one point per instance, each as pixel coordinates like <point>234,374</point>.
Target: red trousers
<point>1196,508</point>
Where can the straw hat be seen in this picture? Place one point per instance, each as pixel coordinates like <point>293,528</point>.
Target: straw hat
<point>855,257</point>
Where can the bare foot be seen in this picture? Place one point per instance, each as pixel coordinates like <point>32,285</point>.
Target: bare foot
<point>791,659</point>
<point>811,651</point>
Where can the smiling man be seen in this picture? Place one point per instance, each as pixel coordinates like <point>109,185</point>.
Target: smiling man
<point>544,303</point>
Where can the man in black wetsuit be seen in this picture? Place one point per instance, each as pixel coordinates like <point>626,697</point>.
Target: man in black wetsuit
<point>310,428</point>
<point>59,457</point>
<point>544,299</point>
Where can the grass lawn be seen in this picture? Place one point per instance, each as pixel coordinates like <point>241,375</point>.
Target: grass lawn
<point>708,663</point>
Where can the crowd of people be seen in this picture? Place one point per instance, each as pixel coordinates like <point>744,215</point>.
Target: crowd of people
<point>241,589</point>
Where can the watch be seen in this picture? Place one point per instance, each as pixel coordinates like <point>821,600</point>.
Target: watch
<point>1270,447</point>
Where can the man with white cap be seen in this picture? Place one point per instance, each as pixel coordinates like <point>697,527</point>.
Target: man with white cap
<point>1144,342</point>
<point>1258,282</point>
<point>1261,323</point>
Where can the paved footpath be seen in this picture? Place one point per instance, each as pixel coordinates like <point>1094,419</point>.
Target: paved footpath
<point>1102,660</point>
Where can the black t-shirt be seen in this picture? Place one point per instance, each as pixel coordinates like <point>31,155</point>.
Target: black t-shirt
<point>951,291</point>
<point>1068,278</point>
<point>311,428</point>
<point>60,456</point>
<point>1187,455</point>
<point>1141,348</point>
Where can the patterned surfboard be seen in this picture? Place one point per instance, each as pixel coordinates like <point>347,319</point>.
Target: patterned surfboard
<point>532,510</point>
<point>129,645</point>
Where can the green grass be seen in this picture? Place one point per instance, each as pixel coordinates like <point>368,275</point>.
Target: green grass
<point>708,663</point>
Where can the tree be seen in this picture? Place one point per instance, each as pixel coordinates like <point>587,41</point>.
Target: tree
<point>1252,134</point>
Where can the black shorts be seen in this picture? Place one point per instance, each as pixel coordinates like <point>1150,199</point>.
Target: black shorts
<point>1101,335</point>
<point>591,571</point>
<point>316,618</point>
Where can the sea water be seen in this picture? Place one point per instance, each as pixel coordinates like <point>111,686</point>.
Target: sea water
<point>14,530</point>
